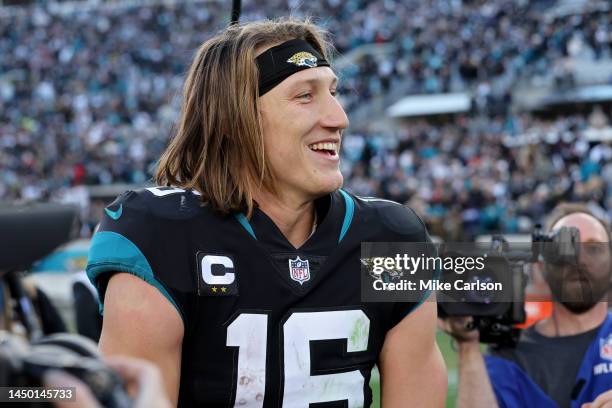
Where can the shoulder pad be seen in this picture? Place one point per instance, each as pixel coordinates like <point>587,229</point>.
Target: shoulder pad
<point>165,202</point>
<point>397,218</point>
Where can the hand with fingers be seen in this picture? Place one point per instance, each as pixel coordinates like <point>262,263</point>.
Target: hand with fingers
<point>143,382</point>
<point>460,328</point>
<point>603,400</point>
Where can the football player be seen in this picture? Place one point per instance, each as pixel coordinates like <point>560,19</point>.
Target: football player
<point>240,278</point>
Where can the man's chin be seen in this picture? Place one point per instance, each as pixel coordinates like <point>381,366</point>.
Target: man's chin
<point>330,185</point>
<point>580,301</point>
<point>579,307</point>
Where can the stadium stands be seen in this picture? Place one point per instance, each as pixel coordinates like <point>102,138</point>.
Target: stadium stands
<point>88,96</point>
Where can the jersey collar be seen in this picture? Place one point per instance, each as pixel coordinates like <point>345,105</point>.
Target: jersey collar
<point>334,212</point>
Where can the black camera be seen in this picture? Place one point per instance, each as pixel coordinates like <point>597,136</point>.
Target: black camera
<point>28,233</point>
<point>32,231</point>
<point>24,365</point>
<point>496,313</point>
<point>559,247</point>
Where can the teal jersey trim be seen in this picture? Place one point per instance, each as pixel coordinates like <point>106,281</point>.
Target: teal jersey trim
<point>115,215</point>
<point>348,214</point>
<point>112,252</point>
<point>348,218</point>
<point>245,224</point>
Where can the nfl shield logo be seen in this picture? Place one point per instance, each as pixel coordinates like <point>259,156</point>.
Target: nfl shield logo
<point>605,348</point>
<point>299,270</point>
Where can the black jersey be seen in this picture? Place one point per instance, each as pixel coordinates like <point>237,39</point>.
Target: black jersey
<point>266,324</point>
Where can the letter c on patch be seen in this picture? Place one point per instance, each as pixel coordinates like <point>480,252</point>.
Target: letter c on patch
<point>208,261</point>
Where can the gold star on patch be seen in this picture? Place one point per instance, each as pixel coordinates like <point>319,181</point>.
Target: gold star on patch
<point>214,289</point>
<point>223,289</point>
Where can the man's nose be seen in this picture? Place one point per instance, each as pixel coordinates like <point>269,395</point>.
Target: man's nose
<point>333,115</point>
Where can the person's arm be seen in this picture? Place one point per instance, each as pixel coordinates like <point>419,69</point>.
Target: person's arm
<point>412,370</point>
<point>475,390</point>
<point>140,322</point>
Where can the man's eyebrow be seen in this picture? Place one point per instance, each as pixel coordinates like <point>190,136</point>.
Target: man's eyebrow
<point>315,81</point>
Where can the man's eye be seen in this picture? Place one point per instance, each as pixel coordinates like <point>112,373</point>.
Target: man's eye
<point>334,92</point>
<point>306,95</point>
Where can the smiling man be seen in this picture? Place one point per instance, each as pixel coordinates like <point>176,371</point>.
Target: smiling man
<point>240,278</point>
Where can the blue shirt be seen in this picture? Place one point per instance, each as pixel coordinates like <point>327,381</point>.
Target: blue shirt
<point>514,388</point>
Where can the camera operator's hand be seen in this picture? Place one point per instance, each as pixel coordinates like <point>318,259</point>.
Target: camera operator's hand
<point>602,401</point>
<point>461,329</point>
<point>143,381</point>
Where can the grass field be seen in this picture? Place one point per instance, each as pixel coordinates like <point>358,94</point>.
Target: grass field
<point>450,358</point>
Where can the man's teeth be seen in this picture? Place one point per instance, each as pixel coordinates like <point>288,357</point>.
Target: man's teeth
<point>324,146</point>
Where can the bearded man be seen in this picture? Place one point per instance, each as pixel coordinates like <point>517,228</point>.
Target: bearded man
<point>564,360</point>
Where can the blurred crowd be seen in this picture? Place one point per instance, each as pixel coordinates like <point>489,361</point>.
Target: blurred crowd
<point>90,96</point>
<point>470,176</point>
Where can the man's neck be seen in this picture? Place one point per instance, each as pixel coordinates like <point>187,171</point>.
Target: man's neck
<point>563,322</point>
<point>293,216</point>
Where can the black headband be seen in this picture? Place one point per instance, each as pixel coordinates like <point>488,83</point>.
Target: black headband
<point>284,60</point>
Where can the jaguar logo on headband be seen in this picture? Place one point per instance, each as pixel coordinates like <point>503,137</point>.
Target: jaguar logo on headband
<point>303,59</point>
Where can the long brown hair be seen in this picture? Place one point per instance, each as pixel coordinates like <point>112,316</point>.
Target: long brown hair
<point>218,148</point>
